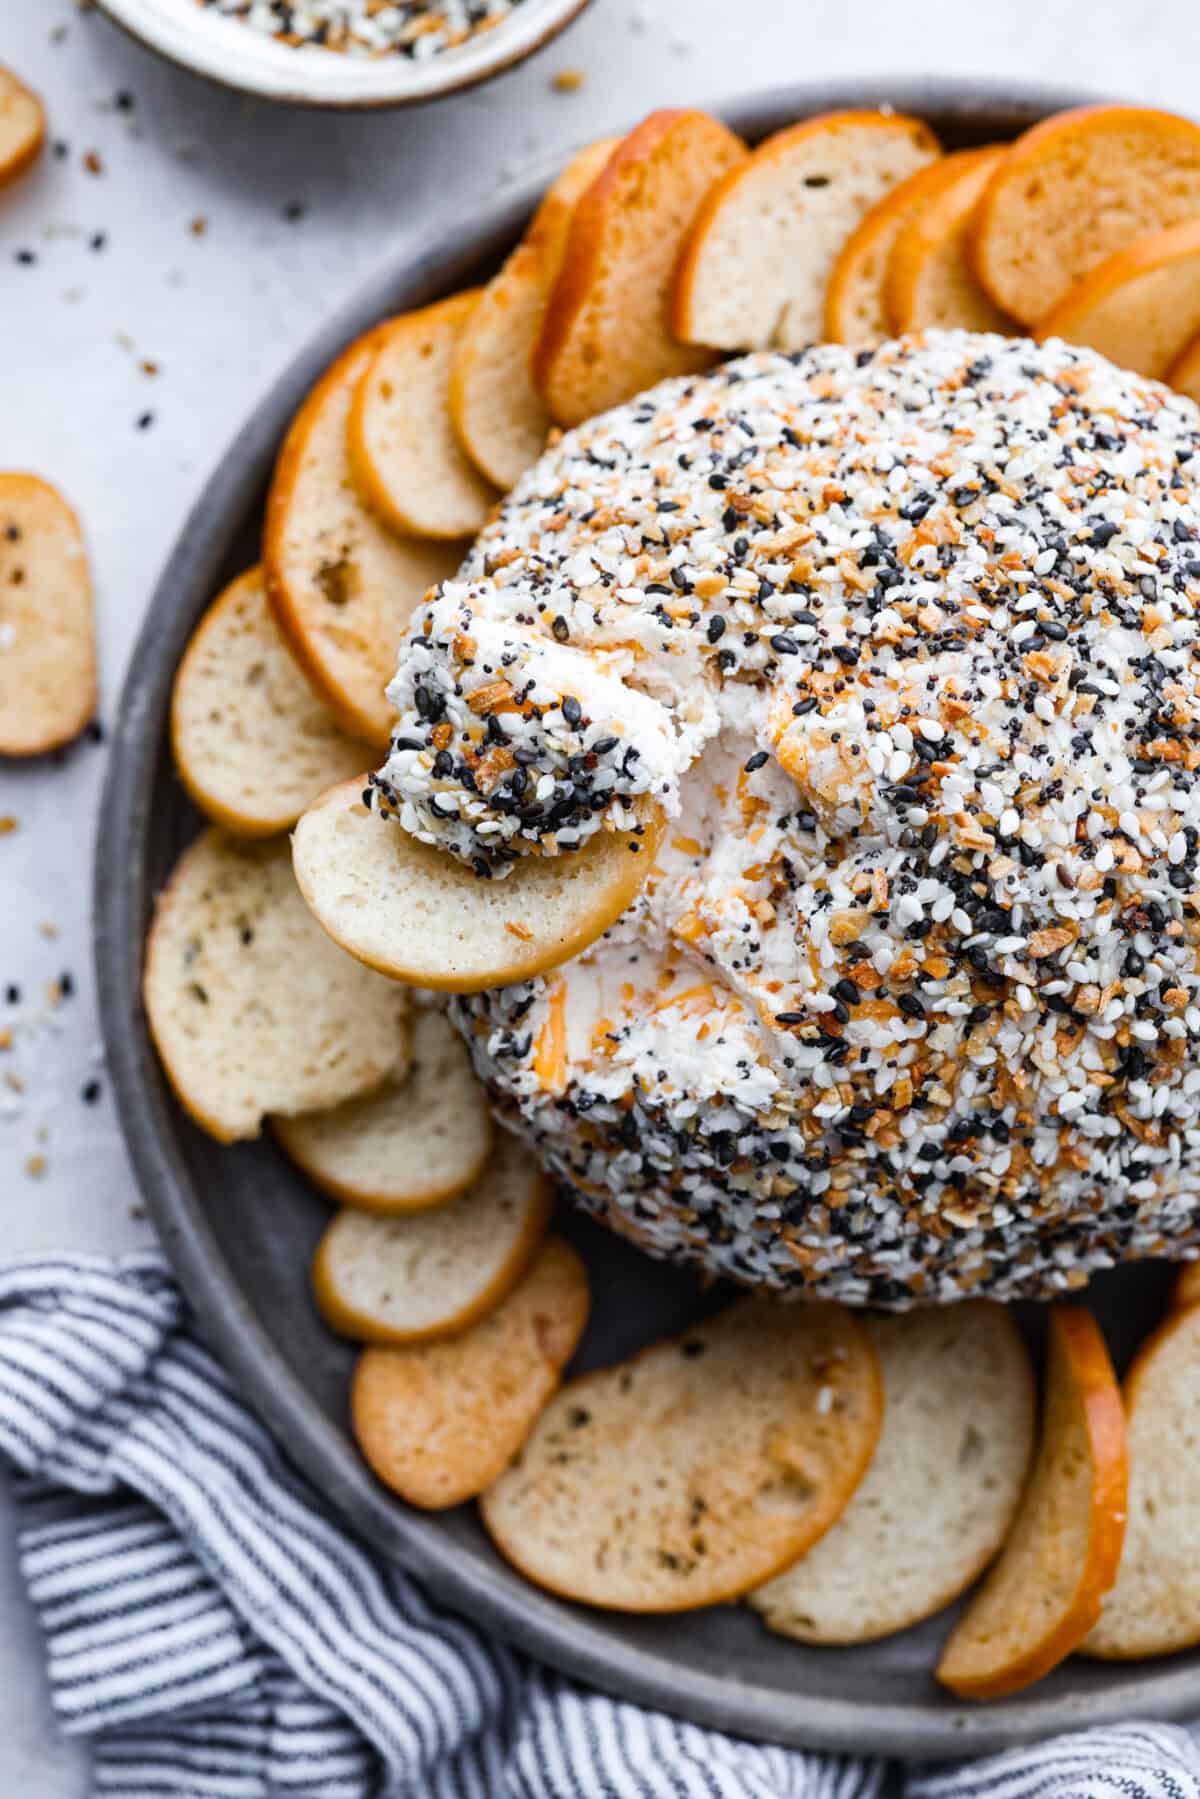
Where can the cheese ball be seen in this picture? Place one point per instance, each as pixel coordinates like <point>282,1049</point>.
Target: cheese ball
<point>904,643</point>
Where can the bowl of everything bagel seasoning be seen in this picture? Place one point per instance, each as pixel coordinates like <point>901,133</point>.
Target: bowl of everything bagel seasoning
<point>345,53</point>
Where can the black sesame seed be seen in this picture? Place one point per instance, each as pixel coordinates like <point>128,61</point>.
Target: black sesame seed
<point>572,711</point>
<point>757,760</point>
<point>911,1005</point>
<point>716,629</point>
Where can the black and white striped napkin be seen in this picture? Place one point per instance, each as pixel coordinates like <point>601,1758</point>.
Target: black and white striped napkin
<point>219,1636</point>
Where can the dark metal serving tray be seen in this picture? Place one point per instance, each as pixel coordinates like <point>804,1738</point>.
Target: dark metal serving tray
<point>240,1224</point>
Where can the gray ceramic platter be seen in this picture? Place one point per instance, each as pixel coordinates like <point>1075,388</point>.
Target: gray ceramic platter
<point>240,1224</point>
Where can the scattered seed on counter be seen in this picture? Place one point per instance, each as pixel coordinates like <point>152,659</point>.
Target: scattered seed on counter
<point>568,81</point>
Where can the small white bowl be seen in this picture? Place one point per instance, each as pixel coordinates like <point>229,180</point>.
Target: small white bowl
<point>225,50</point>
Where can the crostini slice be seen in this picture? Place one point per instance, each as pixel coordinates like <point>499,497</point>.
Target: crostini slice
<point>432,1274</point>
<point>856,299</point>
<point>1154,1608</point>
<point>22,127</point>
<point>254,743</point>
<point>1186,1291</point>
<point>694,1472</point>
<point>417,1142</point>
<point>606,333</point>
<point>439,1422</point>
<point>47,620</point>
<point>420,915</point>
<point>757,263</point>
<point>930,282</point>
<point>1184,373</point>
<point>409,465</point>
<point>252,1009</point>
<point>495,408</point>
<point>342,584</point>
<point>1140,307</point>
<point>1044,1594</point>
<point>940,1495</point>
<point>1074,189</point>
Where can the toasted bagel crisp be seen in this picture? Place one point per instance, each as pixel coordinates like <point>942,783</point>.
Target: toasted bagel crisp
<point>253,741</point>
<point>606,334</point>
<point>409,465</point>
<point>1186,1291</point>
<point>930,282</point>
<point>1140,307</point>
<point>343,586</point>
<point>47,623</point>
<point>756,266</point>
<point>1074,189</point>
<point>1154,1607</point>
<point>421,916</point>
<point>501,419</point>
<point>1184,373</point>
<point>694,1472</point>
<point>856,298</point>
<point>433,1274</point>
<point>252,1009</point>
<point>417,1142</point>
<point>439,1422</point>
<point>1045,1592</point>
<point>943,1487</point>
<point>22,127</point>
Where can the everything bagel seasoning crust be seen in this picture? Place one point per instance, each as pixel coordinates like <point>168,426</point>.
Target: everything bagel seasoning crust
<point>905,642</point>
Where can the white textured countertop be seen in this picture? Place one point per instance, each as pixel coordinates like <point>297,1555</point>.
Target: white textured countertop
<point>186,230</point>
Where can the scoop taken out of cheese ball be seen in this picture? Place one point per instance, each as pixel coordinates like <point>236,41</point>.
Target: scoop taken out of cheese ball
<point>903,643</point>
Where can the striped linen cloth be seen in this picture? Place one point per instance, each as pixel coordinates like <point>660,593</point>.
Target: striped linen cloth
<point>219,1636</point>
